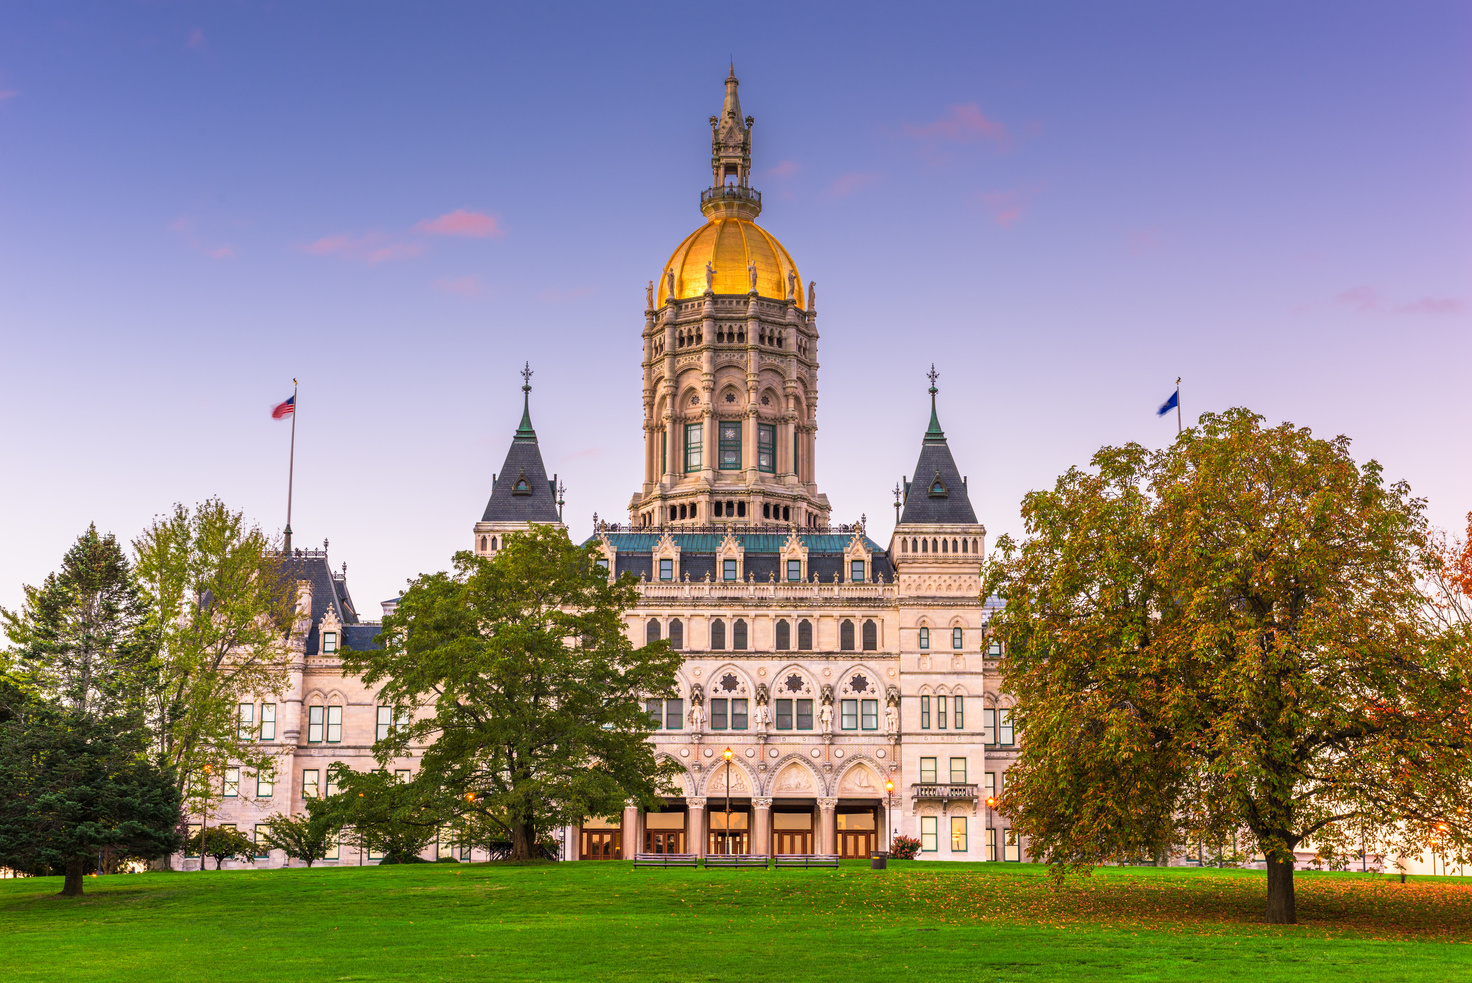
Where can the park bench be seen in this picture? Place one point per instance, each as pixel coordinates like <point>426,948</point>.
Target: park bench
<point>666,860</point>
<point>735,860</point>
<point>808,860</point>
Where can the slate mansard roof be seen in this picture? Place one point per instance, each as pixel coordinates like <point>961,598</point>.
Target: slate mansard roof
<point>937,492</point>
<point>522,492</point>
<point>330,591</point>
<point>762,554</point>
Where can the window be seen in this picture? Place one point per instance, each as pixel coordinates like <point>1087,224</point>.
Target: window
<point>738,714</point>
<point>848,714</point>
<point>247,721</point>
<point>329,641</point>
<point>717,634</point>
<point>268,721</point>
<point>958,771</point>
<point>314,723</point>
<point>784,714</point>
<point>386,724</point>
<point>846,636</point>
<point>1011,849</point>
<point>728,569</point>
<point>1004,727</point>
<point>871,635</point>
<point>994,648</point>
<point>805,636</point>
<point>729,434</point>
<point>718,714</point>
<point>401,775</point>
<point>666,569</point>
<point>924,713</point>
<point>651,631</point>
<point>958,834</point>
<point>230,784</point>
<point>804,714</point>
<point>259,839</point>
<point>869,717</point>
<point>794,570</point>
<point>925,638</point>
<point>655,709</point>
<point>693,444</point>
<point>265,783</point>
<point>766,448</point>
<point>856,571</point>
<point>928,836</point>
<point>958,719</point>
<point>991,845</point>
<point>940,712</point>
<point>601,563</point>
<point>738,635</point>
<point>674,714</point>
<point>309,783</point>
<point>784,636</point>
<point>989,725</point>
<point>334,847</point>
<point>927,771</point>
<point>990,787</point>
<point>334,725</point>
<point>957,638</point>
<point>664,452</point>
<point>677,635</point>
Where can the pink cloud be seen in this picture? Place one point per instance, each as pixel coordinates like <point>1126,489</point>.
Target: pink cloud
<point>962,123</point>
<point>222,252</point>
<point>370,248</point>
<point>460,222</point>
<point>1365,300</point>
<point>8,94</point>
<point>465,286</point>
<point>849,183</point>
<point>1008,207</point>
<point>784,170</point>
<point>195,41</point>
<point>1431,305</point>
<point>187,229</point>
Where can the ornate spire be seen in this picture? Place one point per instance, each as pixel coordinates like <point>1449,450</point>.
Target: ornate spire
<point>730,159</point>
<point>935,433</point>
<point>525,431</point>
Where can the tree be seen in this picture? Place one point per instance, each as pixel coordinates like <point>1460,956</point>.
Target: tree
<point>82,637</point>
<point>307,838</point>
<point>73,786</point>
<point>1227,635</point>
<point>528,690</point>
<point>222,606</point>
<point>385,815</point>
<point>220,843</point>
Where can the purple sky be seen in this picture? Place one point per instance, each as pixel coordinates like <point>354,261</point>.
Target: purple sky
<point>1064,207</point>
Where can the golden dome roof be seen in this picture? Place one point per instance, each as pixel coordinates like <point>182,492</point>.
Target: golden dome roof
<point>730,243</point>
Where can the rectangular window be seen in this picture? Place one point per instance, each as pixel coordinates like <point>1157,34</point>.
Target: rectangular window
<point>674,714</point>
<point>1011,849</point>
<point>193,832</point>
<point>728,569</point>
<point>230,785</point>
<point>794,570</point>
<point>870,714</point>
<point>694,442</point>
<point>729,436</point>
<point>928,835</point>
<point>784,714</point>
<point>848,714</point>
<point>718,718</point>
<point>247,721</point>
<point>265,784</point>
<point>655,709</point>
<point>804,714</point>
<point>667,569</point>
<point>991,845</point>
<point>766,448</point>
<point>332,786</point>
<point>314,724</point>
<point>259,839</point>
<point>309,783</point>
<point>738,714</point>
<point>268,721</point>
<point>334,725</point>
<point>927,771</point>
<point>925,638</point>
<point>329,641</point>
<point>958,771</point>
<point>990,788</point>
<point>994,649</point>
<point>957,721</point>
<point>1004,727</point>
<point>601,563</point>
<point>989,726</point>
<point>958,834</point>
<point>924,713</point>
<point>334,845</point>
<point>401,775</point>
<point>940,712</point>
<point>385,722</point>
<point>856,571</point>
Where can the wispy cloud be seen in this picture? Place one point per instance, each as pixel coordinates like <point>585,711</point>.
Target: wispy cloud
<point>6,94</point>
<point>1367,300</point>
<point>460,222</point>
<point>1008,207</point>
<point>187,229</point>
<point>195,41</point>
<point>784,170</point>
<point>1431,305</point>
<point>850,183</point>
<point>962,123</point>
<point>464,286</point>
<point>370,248</point>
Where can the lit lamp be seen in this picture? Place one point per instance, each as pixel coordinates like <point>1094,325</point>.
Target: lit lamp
<point>991,806</point>
<point>888,803</point>
<point>727,755</point>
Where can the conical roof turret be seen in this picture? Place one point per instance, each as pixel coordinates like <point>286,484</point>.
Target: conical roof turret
<point>937,493</point>
<point>522,491</point>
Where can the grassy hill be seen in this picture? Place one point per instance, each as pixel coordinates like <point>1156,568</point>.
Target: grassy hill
<point>607,921</point>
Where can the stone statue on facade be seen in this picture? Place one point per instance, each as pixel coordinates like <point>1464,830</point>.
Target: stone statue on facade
<point>791,284</point>
<point>751,272</point>
<point>826,716</point>
<point>710,278</point>
<point>812,294</point>
<point>891,719</point>
<point>670,273</point>
<point>649,295</point>
<point>696,717</point>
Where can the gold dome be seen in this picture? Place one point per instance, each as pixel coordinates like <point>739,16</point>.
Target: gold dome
<point>729,244</point>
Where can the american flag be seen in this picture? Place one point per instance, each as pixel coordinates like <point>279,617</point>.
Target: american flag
<point>284,409</point>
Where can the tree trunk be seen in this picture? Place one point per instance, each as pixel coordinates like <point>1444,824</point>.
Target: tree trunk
<point>75,871</point>
<point>523,837</point>
<point>1281,907</point>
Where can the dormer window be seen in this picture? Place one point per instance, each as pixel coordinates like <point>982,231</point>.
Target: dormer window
<point>522,487</point>
<point>329,641</point>
<point>856,571</point>
<point>938,487</point>
<point>666,569</point>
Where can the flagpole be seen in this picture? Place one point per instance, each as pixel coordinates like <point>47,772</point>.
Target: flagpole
<point>290,468</point>
<point>1178,431</point>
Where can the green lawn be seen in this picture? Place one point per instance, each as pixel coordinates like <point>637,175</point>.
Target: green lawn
<point>589,921</point>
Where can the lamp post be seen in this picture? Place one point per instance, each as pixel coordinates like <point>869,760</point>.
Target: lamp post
<point>991,805</point>
<point>888,804</point>
<point>727,754</point>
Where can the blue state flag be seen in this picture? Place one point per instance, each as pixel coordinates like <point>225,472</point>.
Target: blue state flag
<point>1169,404</point>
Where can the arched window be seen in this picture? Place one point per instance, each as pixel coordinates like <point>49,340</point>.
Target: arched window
<point>717,634</point>
<point>957,638</point>
<point>871,636</point>
<point>784,636</point>
<point>925,546</point>
<point>651,631</point>
<point>677,634</point>
<point>964,544</point>
<point>482,544</point>
<point>934,546</point>
<point>904,546</point>
<point>914,546</point>
<point>953,546</point>
<point>846,636</point>
<point>944,546</point>
<point>738,635</point>
<point>674,513</point>
<point>493,543</point>
<point>925,638</point>
<point>805,635</point>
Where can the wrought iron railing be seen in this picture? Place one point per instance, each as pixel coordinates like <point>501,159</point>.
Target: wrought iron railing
<point>731,192</point>
<point>770,527</point>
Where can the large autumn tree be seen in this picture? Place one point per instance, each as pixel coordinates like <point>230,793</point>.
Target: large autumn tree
<point>526,692</point>
<point>1231,635</point>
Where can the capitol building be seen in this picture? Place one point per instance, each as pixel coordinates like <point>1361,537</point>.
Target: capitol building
<point>853,682</point>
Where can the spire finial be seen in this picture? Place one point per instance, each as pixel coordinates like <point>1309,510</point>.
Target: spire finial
<point>935,432</point>
<point>525,431</point>
<point>526,377</point>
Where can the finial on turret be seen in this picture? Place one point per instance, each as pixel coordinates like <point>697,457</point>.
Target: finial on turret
<point>526,377</point>
<point>525,431</point>
<point>897,492</point>
<point>935,432</point>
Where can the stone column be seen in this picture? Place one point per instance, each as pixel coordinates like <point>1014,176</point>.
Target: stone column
<point>695,826</point>
<point>761,822</point>
<point>828,828</point>
<point>631,831</point>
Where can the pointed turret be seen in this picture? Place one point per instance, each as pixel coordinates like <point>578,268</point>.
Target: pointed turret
<point>937,494</point>
<point>730,160</point>
<point>521,493</point>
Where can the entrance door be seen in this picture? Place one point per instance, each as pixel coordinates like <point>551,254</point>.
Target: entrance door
<point>722,842</point>
<point>790,841</point>
<point>664,841</point>
<point>602,844</point>
<point>855,844</point>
